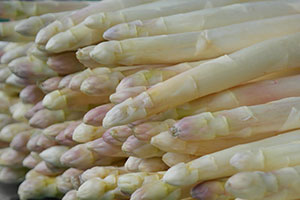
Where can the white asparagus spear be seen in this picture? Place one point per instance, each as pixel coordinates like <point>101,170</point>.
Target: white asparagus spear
<point>171,158</point>
<point>149,11</point>
<point>8,33</point>
<point>210,77</point>
<point>16,52</point>
<point>130,182</point>
<point>32,25</point>
<point>52,155</point>
<point>193,46</point>
<point>134,164</point>
<point>78,16</point>
<point>202,19</point>
<point>219,164</point>
<point>283,184</point>
<point>246,121</point>
<point>20,9</point>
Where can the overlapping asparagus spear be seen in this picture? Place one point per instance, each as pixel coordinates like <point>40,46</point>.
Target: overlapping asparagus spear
<point>244,157</point>
<point>193,46</point>
<point>229,71</point>
<point>78,16</point>
<point>19,9</point>
<point>278,184</point>
<point>201,19</point>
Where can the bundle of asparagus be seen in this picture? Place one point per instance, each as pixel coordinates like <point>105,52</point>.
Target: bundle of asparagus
<point>150,99</point>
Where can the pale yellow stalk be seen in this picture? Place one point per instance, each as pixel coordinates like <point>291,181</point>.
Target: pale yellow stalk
<point>219,164</point>
<point>16,52</point>
<point>193,46</point>
<point>78,16</point>
<point>149,11</point>
<point>19,110</point>
<point>171,158</point>
<point>32,25</point>
<point>8,33</point>
<point>20,9</point>
<point>202,19</point>
<point>60,99</point>
<point>279,184</point>
<point>246,121</point>
<point>9,131</point>
<point>228,71</point>
<point>130,182</point>
<point>85,133</point>
<point>134,164</point>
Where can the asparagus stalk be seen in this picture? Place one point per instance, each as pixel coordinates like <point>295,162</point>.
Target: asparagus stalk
<point>19,110</point>
<point>218,165</point>
<point>82,158</point>
<point>67,179</point>
<point>135,84</point>
<point>245,121</point>
<point>97,188</point>
<point>32,25</point>
<point>150,77</point>
<point>211,190</point>
<point>4,74</point>
<point>85,133</point>
<point>141,149</point>
<point>11,175</point>
<point>47,169</point>
<point>147,130</point>
<point>5,119</point>
<point>65,63</point>
<point>19,10</point>
<point>83,55</point>
<point>71,195</point>
<point>117,135</point>
<point>60,99</point>
<point>31,160</point>
<point>171,158</point>
<point>44,118</point>
<point>130,182</point>
<point>52,155</point>
<point>50,84</point>
<point>11,130</point>
<point>160,190</point>
<point>31,94</point>
<point>39,187</point>
<point>30,67</point>
<point>19,142</point>
<point>200,148</point>
<point>9,89</point>
<point>281,183</point>
<point>53,130</point>
<point>39,142</point>
<point>101,172</point>
<point>149,11</point>
<point>201,19</point>
<point>16,52</point>
<point>65,81</point>
<point>37,107</point>
<point>95,116</point>
<point>16,81</point>
<point>8,33</point>
<point>189,84</point>
<point>100,147</point>
<point>65,136</point>
<point>209,43</point>
<point>39,52</point>
<point>78,16</point>
<point>134,164</point>
<point>12,158</point>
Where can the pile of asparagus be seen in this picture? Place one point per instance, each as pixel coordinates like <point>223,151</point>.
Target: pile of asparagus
<point>151,99</point>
